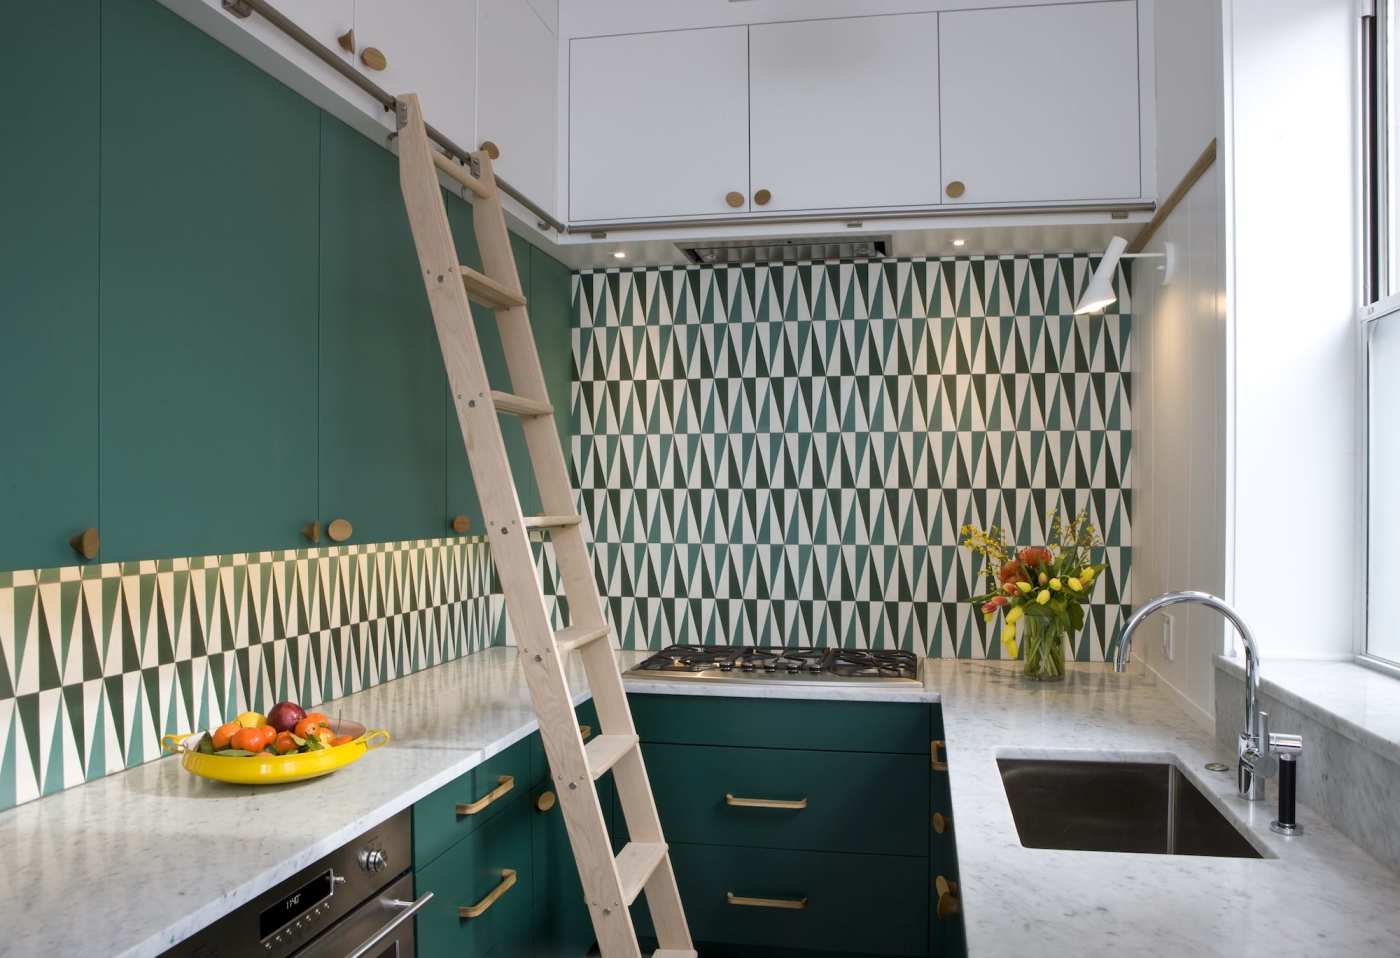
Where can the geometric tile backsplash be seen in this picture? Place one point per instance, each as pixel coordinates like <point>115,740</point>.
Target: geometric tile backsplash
<point>97,662</point>
<point>783,455</point>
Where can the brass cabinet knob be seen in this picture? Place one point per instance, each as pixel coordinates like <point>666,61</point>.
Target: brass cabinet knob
<point>546,801</point>
<point>312,531</point>
<point>734,198</point>
<point>948,902</point>
<point>491,149</point>
<point>373,58</point>
<point>955,188</point>
<point>762,197</point>
<point>460,524</point>
<point>339,530</point>
<point>86,544</point>
<point>941,822</point>
<point>347,41</point>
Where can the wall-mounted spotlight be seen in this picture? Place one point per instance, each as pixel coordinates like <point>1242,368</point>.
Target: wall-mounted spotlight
<point>1099,293</point>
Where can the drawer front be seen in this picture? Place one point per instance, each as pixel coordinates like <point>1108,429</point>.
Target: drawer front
<point>437,823</point>
<point>468,874</point>
<point>867,904</point>
<point>783,723</point>
<point>714,795</point>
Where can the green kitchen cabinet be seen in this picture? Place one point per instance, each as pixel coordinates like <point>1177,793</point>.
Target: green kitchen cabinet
<point>470,801</point>
<point>48,283</point>
<point>382,450</point>
<point>209,250</point>
<point>947,937</point>
<point>488,870</point>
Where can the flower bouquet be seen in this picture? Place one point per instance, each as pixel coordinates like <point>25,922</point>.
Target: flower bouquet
<point>1040,591</point>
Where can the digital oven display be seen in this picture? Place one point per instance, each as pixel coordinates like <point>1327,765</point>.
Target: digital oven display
<point>295,905</point>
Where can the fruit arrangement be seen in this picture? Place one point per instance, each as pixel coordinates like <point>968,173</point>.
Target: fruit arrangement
<point>286,729</point>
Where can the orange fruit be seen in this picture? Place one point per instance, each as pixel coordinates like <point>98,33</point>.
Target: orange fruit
<point>284,743</point>
<point>251,739</point>
<point>318,717</point>
<point>324,735</point>
<point>224,734</point>
<point>308,725</point>
<point>342,740</point>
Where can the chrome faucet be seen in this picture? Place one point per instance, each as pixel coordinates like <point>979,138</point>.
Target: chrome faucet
<point>1259,750</point>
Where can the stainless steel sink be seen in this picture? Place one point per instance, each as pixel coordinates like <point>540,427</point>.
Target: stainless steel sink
<point>1144,807</point>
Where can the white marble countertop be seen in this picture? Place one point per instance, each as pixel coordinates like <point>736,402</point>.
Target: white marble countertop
<point>1315,895</point>
<point>137,861</point>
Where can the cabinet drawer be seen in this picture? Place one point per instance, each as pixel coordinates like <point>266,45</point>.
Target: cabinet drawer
<point>468,874</point>
<point>705,795</point>
<point>868,904</point>
<point>782,723</point>
<point>437,821</point>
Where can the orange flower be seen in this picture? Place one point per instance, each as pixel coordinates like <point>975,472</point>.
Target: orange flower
<point>1012,572</point>
<point>1034,555</point>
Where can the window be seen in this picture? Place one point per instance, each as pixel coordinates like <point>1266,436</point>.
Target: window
<point>1380,329</point>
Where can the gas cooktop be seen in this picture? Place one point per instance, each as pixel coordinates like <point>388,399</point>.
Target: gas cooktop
<point>746,663</point>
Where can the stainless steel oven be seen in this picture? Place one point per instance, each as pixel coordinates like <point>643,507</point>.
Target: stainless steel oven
<point>357,902</point>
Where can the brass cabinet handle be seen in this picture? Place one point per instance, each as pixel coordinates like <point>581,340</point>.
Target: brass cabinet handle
<point>948,902</point>
<point>86,543</point>
<point>312,531</point>
<point>764,802</point>
<point>460,524</point>
<point>936,747</point>
<point>339,530</point>
<point>491,149</point>
<point>941,822</point>
<point>546,801</point>
<point>347,41</point>
<point>483,906</point>
<point>791,904</point>
<point>734,198</point>
<point>503,784</point>
<point>762,197</point>
<point>585,731</point>
<point>955,189</point>
<point>373,58</point>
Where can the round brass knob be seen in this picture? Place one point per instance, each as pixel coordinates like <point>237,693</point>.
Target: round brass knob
<point>312,531</point>
<point>373,58</point>
<point>546,801</point>
<point>491,149</point>
<point>86,544</point>
<point>955,189</point>
<point>460,524</point>
<point>734,198</point>
<point>762,197</point>
<point>339,530</point>
<point>941,823</point>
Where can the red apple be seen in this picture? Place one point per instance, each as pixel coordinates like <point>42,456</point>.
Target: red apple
<point>285,716</point>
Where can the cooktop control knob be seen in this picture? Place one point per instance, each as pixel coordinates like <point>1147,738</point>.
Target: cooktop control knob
<point>374,860</point>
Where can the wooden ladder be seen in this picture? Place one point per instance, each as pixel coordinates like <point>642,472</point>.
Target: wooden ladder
<point>610,883</point>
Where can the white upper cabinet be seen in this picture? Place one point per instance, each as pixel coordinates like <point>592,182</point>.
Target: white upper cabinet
<point>517,95</point>
<point>1040,104</point>
<point>430,49</point>
<point>844,113</point>
<point>658,124</point>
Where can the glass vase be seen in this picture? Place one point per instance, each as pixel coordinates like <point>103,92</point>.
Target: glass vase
<point>1042,649</point>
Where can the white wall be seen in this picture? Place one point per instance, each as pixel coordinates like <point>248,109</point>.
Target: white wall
<point>1293,517</point>
<point>1179,352</point>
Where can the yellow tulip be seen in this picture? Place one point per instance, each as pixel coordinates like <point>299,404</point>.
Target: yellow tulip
<point>1055,584</point>
<point>1076,585</point>
<point>1008,641</point>
<point>1014,616</point>
<point>1044,578</point>
<point>1025,587</point>
<point>1044,597</point>
<point>1087,575</point>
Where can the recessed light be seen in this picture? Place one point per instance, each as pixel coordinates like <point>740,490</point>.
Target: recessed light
<point>619,254</point>
<point>960,243</point>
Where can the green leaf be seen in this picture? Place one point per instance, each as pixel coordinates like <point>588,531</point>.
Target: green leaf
<point>238,752</point>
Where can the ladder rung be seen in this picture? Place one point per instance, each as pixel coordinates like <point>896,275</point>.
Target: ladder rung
<point>635,863</point>
<point>461,174</point>
<point>577,636</point>
<point>605,751</point>
<point>486,291</point>
<point>550,522</point>
<point>520,405</point>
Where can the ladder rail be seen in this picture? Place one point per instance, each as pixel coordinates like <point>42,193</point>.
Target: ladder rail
<point>606,892</point>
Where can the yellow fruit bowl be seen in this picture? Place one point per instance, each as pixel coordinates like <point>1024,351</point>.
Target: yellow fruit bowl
<point>276,769</point>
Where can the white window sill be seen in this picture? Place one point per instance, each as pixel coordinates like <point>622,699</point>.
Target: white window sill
<point>1359,703</point>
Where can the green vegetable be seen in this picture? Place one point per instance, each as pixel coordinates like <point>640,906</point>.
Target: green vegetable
<point>235,752</point>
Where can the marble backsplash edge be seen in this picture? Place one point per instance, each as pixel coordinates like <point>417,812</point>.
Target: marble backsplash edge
<point>1343,780</point>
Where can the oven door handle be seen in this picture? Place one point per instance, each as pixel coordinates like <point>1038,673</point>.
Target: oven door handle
<point>409,909</point>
